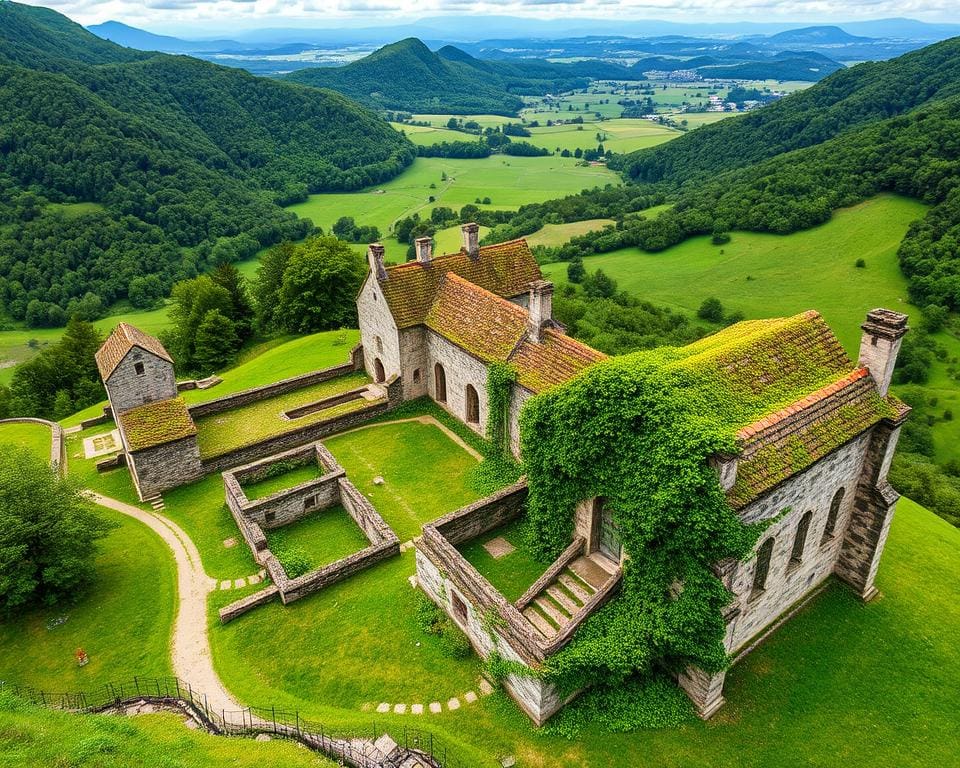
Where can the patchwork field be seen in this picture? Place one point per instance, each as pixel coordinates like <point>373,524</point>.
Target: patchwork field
<point>763,275</point>
<point>620,135</point>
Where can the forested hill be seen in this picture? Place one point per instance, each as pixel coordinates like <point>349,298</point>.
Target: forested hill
<point>186,161</point>
<point>842,102</point>
<point>409,76</point>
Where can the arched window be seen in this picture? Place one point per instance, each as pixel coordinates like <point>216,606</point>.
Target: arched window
<point>379,344</point>
<point>762,567</point>
<point>440,383</point>
<point>831,526</point>
<point>800,540</point>
<point>473,405</point>
<point>379,374</point>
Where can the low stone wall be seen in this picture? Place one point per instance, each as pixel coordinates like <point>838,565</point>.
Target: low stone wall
<point>482,516</point>
<point>248,603</point>
<point>96,421</point>
<point>288,505</point>
<point>255,394</point>
<point>306,434</point>
<point>327,402</point>
<point>58,449</point>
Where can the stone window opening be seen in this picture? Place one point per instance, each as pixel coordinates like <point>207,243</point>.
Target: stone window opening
<point>269,517</point>
<point>472,405</point>
<point>416,375</point>
<point>139,369</point>
<point>379,375</point>
<point>762,568</point>
<point>310,502</point>
<point>800,540</point>
<point>379,344</point>
<point>440,383</point>
<point>829,529</point>
<point>459,608</point>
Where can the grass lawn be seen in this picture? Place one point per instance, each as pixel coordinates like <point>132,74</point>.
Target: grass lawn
<point>116,483</point>
<point>427,135</point>
<point>222,432</point>
<point>289,479</point>
<point>842,683</point>
<point>124,622</point>
<point>512,574</point>
<point>509,182</point>
<point>31,737</point>
<point>292,358</point>
<point>324,537</point>
<point>558,234</point>
<point>425,473</point>
<point>765,275</point>
<point>35,437</point>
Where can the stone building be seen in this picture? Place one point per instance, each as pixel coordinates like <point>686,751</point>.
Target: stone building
<point>438,324</point>
<point>157,432</point>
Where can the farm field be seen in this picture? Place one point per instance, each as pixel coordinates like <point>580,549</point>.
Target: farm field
<point>621,135</point>
<point>425,136</point>
<point>509,182</point>
<point>764,275</point>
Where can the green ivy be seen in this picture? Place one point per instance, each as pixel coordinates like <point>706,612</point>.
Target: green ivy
<point>638,430</point>
<point>500,379</point>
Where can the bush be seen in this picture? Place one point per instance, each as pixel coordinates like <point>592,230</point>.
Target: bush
<point>720,238</point>
<point>861,264</point>
<point>711,310</point>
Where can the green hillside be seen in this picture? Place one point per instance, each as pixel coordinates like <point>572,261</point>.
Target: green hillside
<point>409,76</point>
<point>181,154</point>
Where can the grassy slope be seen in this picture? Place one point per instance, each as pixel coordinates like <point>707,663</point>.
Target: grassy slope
<point>36,437</point>
<point>787,274</point>
<point>35,738</point>
<point>865,685</point>
<point>132,599</point>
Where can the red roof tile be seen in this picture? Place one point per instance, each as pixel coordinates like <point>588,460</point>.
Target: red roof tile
<point>124,338</point>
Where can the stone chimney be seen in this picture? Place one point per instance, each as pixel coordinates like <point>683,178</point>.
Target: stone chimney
<point>375,260</point>
<point>725,465</point>
<point>424,249</point>
<point>880,343</point>
<point>470,234</point>
<point>541,307</point>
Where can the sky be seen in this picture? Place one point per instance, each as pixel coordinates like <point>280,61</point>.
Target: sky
<point>205,15</point>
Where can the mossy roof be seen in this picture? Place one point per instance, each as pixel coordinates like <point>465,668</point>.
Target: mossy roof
<point>493,329</point>
<point>505,269</point>
<point>158,423</point>
<point>783,389</point>
<point>124,338</point>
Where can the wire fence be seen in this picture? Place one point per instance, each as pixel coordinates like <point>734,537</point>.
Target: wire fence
<point>364,748</point>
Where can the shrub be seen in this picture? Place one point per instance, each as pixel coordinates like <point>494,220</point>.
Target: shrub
<point>861,264</point>
<point>711,310</point>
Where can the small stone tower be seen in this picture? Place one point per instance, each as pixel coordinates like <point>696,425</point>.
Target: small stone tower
<point>135,369</point>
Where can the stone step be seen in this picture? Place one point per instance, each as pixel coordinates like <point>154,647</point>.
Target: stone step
<point>589,572</point>
<point>543,626</point>
<point>553,611</point>
<point>579,589</point>
<point>565,600</point>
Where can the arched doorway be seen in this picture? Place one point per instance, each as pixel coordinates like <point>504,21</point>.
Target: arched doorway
<point>473,405</point>
<point>440,383</point>
<point>379,375</point>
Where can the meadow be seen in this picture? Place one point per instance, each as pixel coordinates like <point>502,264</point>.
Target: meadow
<point>766,275</point>
<point>620,135</point>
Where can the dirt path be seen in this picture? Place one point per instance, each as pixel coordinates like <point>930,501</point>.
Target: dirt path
<point>190,650</point>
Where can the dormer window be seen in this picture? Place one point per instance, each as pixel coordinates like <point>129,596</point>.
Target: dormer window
<point>138,369</point>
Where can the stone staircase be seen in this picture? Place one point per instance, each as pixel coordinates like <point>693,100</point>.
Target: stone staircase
<point>155,502</point>
<point>553,608</point>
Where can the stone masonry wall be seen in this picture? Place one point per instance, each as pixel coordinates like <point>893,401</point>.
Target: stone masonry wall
<point>159,469</point>
<point>255,394</point>
<point>378,331</point>
<point>127,389</point>
<point>58,454</point>
<point>413,356</point>
<point>813,491</point>
<point>518,397</point>
<point>461,369</point>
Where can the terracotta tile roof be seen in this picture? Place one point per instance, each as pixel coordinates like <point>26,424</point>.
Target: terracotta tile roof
<point>505,269</point>
<point>476,320</point>
<point>556,359</point>
<point>124,338</point>
<point>790,440</point>
<point>153,424</point>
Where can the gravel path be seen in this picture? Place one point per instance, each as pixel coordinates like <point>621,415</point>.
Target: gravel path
<point>190,650</point>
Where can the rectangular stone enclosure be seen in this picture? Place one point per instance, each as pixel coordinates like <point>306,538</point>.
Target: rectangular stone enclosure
<point>285,506</point>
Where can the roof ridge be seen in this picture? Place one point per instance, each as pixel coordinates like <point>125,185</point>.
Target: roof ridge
<point>802,404</point>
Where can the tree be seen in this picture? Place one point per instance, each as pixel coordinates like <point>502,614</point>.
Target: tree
<point>711,310</point>
<point>319,288</point>
<point>192,300</point>
<point>216,342</point>
<point>48,534</point>
<point>227,276</point>
<point>599,285</point>
<point>145,292</point>
<point>344,228</point>
<point>266,288</point>
<point>576,271</point>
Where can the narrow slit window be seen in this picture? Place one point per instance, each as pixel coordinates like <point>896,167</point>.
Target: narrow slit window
<point>762,568</point>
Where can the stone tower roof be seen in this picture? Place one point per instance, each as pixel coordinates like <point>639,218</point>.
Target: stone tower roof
<point>124,338</point>
<point>505,269</point>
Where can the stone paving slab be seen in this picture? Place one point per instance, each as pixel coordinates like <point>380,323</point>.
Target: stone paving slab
<point>416,709</point>
<point>436,707</point>
<point>383,708</point>
<point>499,547</point>
<point>470,697</point>
<point>399,709</point>
<point>453,704</point>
